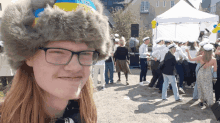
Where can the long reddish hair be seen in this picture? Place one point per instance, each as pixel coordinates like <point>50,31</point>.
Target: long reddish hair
<point>23,102</point>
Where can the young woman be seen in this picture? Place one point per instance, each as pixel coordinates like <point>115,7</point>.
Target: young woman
<point>204,75</point>
<point>122,60</point>
<point>52,53</point>
<point>200,52</point>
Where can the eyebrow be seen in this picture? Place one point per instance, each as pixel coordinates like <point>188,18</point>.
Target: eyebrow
<point>70,50</point>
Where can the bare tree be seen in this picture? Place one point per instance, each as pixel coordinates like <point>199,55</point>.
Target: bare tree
<point>123,21</point>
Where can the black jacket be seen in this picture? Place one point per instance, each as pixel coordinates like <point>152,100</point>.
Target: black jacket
<point>169,64</point>
<point>71,111</point>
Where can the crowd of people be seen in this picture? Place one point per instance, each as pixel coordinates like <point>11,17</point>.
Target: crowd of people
<point>193,64</point>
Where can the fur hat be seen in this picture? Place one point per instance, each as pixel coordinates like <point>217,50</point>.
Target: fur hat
<point>22,39</point>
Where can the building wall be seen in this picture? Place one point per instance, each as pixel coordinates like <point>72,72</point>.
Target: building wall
<point>154,11</point>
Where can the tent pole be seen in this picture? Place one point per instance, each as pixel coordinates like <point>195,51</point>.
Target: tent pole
<point>156,31</point>
<point>175,30</point>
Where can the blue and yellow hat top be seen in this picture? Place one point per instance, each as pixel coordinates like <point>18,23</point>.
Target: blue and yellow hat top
<point>68,5</point>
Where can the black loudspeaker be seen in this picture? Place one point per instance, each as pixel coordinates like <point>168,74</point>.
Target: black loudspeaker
<point>134,59</point>
<point>134,30</point>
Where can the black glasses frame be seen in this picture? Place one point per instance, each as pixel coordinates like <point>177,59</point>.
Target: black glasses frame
<point>46,48</point>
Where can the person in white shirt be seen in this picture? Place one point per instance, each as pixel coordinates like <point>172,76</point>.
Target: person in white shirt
<point>155,61</point>
<point>180,56</point>
<point>162,52</point>
<point>192,64</point>
<point>100,65</point>
<point>143,51</point>
<point>6,72</point>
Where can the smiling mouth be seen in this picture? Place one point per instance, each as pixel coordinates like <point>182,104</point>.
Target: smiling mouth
<point>70,78</point>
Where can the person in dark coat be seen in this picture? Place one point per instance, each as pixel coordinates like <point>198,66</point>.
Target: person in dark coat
<point>168,71</point>
<point>217,84</point>
<point>122,60</point>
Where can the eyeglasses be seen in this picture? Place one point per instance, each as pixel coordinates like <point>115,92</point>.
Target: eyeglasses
<point>60,56</point>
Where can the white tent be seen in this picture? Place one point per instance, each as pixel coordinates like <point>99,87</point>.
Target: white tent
<point>184,22</point>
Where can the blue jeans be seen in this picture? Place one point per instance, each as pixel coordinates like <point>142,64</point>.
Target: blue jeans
<point>180,72</point>
<point>172,79</point>
<point>109,66</point>
<point>144,66</point>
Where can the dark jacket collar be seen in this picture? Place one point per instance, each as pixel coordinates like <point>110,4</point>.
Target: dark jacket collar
<point>71,113</point>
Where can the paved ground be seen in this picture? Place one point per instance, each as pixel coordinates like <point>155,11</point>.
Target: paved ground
<point>119,103</point>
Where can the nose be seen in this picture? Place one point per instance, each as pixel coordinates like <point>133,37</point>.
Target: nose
<point>73,64</point>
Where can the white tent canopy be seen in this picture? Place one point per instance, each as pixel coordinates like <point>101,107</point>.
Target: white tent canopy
<point>182,12</point>
<point>184,23</point>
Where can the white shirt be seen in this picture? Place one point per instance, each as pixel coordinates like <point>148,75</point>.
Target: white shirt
<point>5,69</point>
<point>179,53</point>
<point>143,51</point>
<point>154,49</point>
<point>193,54</point>
<point>162,52</point>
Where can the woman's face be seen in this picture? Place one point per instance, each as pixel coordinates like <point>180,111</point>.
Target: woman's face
<point>61,81</point>
<point>218,48</point>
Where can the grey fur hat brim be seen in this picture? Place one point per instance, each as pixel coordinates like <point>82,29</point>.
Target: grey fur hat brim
<point>21,40</point>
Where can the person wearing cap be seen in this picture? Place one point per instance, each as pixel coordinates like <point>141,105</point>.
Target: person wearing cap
<point>116,44</point>
<point>217,84</point>
<point>204,75</point>
<point>161,52</point>
<point>200,52</point>
<point>168,73</point>
<point>116,35</point>
<point>53,48</point>
<point>180,56</point>
<point>192,64</point>
<point>155,63</point>
<point>143,51</point>
<point>122,60</point>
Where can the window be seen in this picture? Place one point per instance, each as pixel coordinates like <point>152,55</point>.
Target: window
<point>145,5</point>
<point>157,4</point>
<point>118,8</point>
<point>172,4</point>
<point>164,3</point>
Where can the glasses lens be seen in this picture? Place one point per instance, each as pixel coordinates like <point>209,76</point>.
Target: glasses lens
<point>58,56</point>
<point>88,58</point>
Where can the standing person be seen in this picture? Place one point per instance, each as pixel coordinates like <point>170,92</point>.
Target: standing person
<point>99,66</point>
<point>204,76</point>
<point>109,67</point>
<point>53,53</point>
<point>185,63</point>
<point>143,51</point>
<point>162,52</point>
<point>6,73</point>
<point>168,73</point>
<point>200,52</point>
<point>180,56</point>
<point>216,43</point>
<point>192,64</point>
<point>122,60</point>
<point>217,84</point>
<point>155,62</point>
